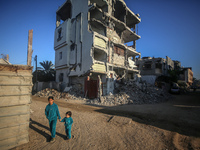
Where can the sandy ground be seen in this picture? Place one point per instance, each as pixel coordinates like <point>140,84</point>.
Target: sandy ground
<point>171,125</point>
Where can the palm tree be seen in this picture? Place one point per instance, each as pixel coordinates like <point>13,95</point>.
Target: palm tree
<point>45,73</point>
<point>47,66</point>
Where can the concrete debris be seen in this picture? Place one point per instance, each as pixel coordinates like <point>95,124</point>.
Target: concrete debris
<point>72,94</point>
<point>131,93</point>
<point>126,93</point>
<point>67,89</point>
<point>52,92</point>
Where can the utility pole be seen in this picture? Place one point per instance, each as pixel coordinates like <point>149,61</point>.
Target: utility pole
<point>36,72</point>
<point>30,51</point>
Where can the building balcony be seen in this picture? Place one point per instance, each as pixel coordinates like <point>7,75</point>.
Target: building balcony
<point>127,34</point>
<point>102,4</point>
<point>100,42</point>
<point>131,51</point>
<point>124,23</point>
<point>133,70</point>
<point>98,67</point>
<point>131,18</point>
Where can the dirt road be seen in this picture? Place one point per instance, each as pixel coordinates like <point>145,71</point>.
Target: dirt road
<point>171,125</point>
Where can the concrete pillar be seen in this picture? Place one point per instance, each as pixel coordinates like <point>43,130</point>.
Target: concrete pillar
<point>30,51</point>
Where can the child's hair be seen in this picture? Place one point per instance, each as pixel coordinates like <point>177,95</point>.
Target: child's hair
<point>69,113</point>
<point>50,97</point>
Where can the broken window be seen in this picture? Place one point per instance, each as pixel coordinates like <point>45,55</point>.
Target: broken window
<point>119,11</point>
<point>147,65</point>
<point>64,13</point>
<point>118,50</point>
<point>159,65</point>
<point>96,14</point>
<point>100,55</point>
<point>60,55</point>
<point>101,4</point>
<point>98,27</point>
<point>61,77</point>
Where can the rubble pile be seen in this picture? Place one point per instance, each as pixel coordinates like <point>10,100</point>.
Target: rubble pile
<point>76,93</point>
<point>72,94</point>
<point>132,93</point>
<point>126,93</point>
<point>51,92</point>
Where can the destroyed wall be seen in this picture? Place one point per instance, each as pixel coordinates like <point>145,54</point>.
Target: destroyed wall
<point>151,68</point>
<point>119,56</point>
<point>187,76</point>
<point>77,83</point>
<point>112,34</point>
<point>118,59</point>
<point>170,63</point>
<point>177,64</point>
<point>190,76</point>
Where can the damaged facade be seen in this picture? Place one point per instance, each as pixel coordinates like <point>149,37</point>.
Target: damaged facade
<point>187,75</point>
<point>150,68</point>
<point>90,43</point>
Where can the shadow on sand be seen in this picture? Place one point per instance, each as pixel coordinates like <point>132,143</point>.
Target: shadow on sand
<point>46,135</point>
<point>189,103</point>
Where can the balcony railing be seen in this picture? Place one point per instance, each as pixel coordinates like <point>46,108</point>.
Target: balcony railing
<point>99,66</point>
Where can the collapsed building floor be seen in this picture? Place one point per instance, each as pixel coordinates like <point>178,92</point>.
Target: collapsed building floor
<point>91,45</point>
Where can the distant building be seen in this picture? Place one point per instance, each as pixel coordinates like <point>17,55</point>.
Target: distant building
<point>90,44</point>
<point>187,75</point>
<point>177,65</point>
<point>5,60</point>
<point>150,68</point>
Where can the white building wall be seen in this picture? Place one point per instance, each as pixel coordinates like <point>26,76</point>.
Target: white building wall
<point>65,72</point>
<point>82,37</point>
<point>64,61</point>
<point>149,79</point>
<point>74,31</point>
<point>64,36</point>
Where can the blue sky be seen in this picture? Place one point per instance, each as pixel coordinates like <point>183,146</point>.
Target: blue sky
<point>168,28</point>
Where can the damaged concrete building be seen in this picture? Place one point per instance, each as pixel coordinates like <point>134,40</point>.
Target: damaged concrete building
<point>187,75</point>
<point>91,39</point>
<point>150,68</point>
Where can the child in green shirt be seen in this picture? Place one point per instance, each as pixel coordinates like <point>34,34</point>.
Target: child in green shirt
<point>52,113</point>
<point>68,124</point>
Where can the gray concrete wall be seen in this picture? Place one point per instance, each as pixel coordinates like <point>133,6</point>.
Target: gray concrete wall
<point>43,85</point>
<point>15,99</point>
